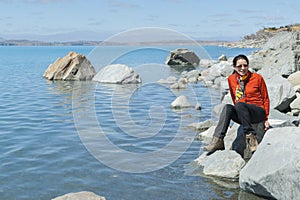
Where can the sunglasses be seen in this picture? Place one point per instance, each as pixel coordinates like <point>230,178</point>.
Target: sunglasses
<point>240,66</point>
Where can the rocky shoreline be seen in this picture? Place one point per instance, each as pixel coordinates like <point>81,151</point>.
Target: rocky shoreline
<point>268,172</point>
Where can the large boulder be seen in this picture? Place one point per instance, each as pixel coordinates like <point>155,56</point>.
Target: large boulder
<point>279,89</point>
<point>274,169</point>
<point>72,67</point>
<point>117,73</point>
<point>277,55</point>
<point>182,57</point>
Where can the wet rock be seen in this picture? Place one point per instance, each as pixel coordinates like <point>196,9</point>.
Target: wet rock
<point>181,102</point>
<point>226,164</point>
<point>72,67</point>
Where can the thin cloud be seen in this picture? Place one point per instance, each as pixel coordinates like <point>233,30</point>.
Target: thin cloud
<point>152,18</point>
<point>248,11</point>
<point>116,5</point>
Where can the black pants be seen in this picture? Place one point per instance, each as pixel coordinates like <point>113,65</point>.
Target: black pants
<point>242,113</point>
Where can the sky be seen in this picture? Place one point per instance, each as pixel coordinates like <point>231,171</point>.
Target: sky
<point>70,20</point>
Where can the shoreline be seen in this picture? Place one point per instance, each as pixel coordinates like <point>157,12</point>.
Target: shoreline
<point>105,43</point>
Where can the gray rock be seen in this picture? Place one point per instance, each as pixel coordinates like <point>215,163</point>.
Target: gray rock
<point>202,125</point>
<point>72,67</point>
<point>222,58</point>
<point>182,57</point>
<point>207,63</point>
<point>84,195</point>
<point>169,80</point>
<point>274,169</point>
<point>279,89</point>
<point>221,69</point>
<point>278,55</point>
<point>226,164</point>
<point>198,106</point>
<point>117,73</point>
<point>178,85</point>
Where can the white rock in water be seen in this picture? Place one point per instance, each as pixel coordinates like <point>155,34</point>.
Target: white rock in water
<point>181,102</point>
<point>117,73</point>
<point>84,195</point>
<point>225,164</point>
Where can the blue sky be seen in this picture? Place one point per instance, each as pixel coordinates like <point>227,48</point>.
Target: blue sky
<point>63,20</point>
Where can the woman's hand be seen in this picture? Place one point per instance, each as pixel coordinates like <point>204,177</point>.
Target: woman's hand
<point>267,125</point>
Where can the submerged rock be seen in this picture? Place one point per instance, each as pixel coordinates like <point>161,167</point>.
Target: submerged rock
<point>84,195</point>
<point>72,67</point>
<point>117,73</point>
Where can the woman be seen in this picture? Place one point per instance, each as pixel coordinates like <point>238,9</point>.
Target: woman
<point>251,105</point>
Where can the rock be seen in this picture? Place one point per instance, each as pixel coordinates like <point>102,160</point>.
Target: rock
<point>201,126</point>
<point>84,195</point>
<point>182,57</point>
<point>178,85</point>
<point>221,69</point>
<point>274,169</point>
<point>207,63</point>
<point>169,80</point>
<point>205,136</point>
<point>72,67</point>
<point>294,78</point>
<point>117,73</point>
<point>226,164</point>
<point>198,106</point>
<point>278,56</point>
<point>222,58</point>
<point>295,105</point>
<point>279,89</point>
<point>181,102</point>
<point>191,76</point>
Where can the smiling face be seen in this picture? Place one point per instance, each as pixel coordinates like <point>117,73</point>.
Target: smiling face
<point>241,67</point>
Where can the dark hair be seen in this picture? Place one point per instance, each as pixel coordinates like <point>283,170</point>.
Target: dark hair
<point>241,56</point>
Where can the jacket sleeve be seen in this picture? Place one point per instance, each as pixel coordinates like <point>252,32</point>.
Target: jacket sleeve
<point>265,97</point>
<point>232,92</point>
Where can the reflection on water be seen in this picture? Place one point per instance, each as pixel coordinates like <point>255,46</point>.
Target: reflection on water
<point>42,154</point>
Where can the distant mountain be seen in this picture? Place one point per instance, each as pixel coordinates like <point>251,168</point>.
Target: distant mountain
<point>60,37</point>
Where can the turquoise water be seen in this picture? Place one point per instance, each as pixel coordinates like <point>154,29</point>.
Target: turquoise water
<point>43,123</point>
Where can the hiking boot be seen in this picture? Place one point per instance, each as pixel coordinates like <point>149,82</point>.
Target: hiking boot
<point>215,144</point>
<point>251,142</point>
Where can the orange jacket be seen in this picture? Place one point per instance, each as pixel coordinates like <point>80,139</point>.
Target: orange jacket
<point>255,90</point>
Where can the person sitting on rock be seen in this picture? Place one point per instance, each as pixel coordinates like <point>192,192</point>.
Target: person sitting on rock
<point>251,105</point>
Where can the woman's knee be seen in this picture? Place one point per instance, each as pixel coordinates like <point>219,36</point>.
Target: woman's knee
<point>240,106</point>
<point>228,108</point>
